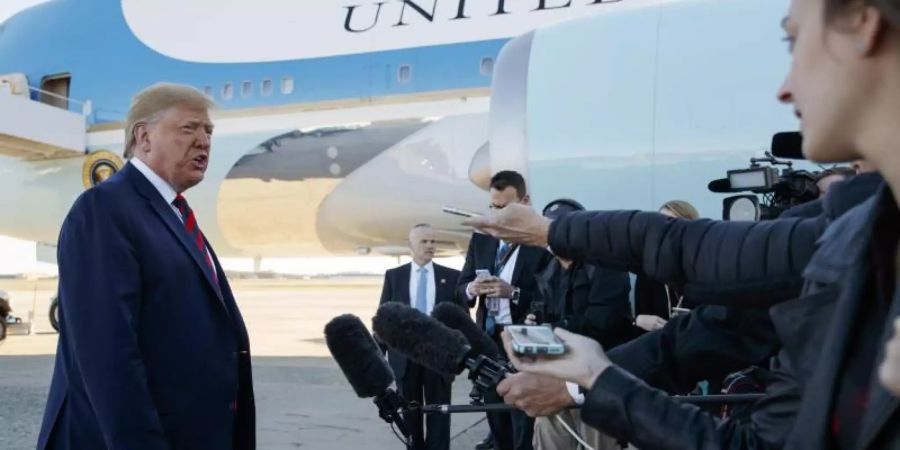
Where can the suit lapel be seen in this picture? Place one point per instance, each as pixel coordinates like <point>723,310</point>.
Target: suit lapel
<point>165,213</point>
<point>441,282</point>
<point>521,259</point>
<point>881,403</point>
<point>405,274</point>
<point>488,253</point>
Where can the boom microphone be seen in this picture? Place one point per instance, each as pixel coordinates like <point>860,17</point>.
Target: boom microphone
<point>456,318</point>
<point>432,344</point>
<point>365,368</point>
<point>358,356</point>
<point>421,338</point>
<point>788,144</point>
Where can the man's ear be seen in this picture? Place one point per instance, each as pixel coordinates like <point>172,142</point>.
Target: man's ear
<point>526,200</point>
<point>141,137</point>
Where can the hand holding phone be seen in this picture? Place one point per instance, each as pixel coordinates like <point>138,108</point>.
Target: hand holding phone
<point>535,340</point>
<point>459,212</point>
<point>482,274</point>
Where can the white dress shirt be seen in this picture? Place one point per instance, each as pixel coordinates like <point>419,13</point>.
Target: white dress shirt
<point>414,284</point>
<point>504,316</point>
<point>165,190</point>
<point>575,393</point>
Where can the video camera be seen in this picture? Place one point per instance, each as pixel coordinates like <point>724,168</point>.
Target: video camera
<point>773,191</point>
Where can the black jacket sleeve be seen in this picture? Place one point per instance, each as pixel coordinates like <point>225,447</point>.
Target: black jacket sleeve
<point>466,276</point>
<point>386,293</point>
<point>529,292</point>
<point>732,263</point>
<point>624,407</point>
<point>386,289</point>
<point>676,357</point>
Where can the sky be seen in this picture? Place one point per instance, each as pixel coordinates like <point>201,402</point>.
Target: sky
<point>18,256</point>
<point>10,7</point>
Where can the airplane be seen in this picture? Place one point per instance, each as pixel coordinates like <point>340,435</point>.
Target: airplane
<point>340,123</point>
<point>642,103</point>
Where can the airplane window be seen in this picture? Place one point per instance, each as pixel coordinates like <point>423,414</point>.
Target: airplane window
<point>246,89</point>
<point>266,87</point>
<point>404,73</point>
<point>287,85</point>
<point>208,90</point>
<point>227,91</point>
<point>487,66</point>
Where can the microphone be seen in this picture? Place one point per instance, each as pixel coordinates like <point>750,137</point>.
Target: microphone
<point>720,185</point>
<point>362,363</point>
<point>456,318</point>
<point>788,144</point>
<point>432,344</point>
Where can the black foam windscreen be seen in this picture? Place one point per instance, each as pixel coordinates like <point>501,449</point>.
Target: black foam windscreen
<point>720,185</point>
<point>421,338</point>
<point>458,319</point>
<point>788,144</point>
<point>359,357</point>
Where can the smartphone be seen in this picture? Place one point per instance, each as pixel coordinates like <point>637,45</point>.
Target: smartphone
<point>535,340</point>
<point>459,212</point>
<point>481,274</point>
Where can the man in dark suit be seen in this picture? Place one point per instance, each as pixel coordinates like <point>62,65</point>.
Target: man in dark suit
<point>153,352</point>
<point>503,297</point>
<point>421,284</point>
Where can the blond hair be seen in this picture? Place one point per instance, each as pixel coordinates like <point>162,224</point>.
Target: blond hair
<point>682,209</point>
<point>148,104</point>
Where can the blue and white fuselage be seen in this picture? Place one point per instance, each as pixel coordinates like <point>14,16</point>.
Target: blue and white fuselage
<point>339,125</point>
<point>342,123</point>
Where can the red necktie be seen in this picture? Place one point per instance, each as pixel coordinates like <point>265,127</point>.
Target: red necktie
<point>190,224</point>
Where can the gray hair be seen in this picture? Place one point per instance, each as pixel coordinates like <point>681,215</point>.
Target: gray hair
<point>148,104</point>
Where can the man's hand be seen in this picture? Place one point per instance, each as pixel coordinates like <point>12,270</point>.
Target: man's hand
<point>649,323</point>
<point>531,319</point>
<point>515,223</point>
<point>890,367</point>
<point>481,286</point>
<point>582,363</point>
<point>537,395</point>
<point>497,288</point>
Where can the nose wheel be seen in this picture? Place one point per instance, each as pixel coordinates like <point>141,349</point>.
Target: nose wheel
<point>54,313</point>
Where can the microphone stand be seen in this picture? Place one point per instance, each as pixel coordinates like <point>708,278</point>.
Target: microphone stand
<point>391,406</point>
<point>501,407</point>
<point>486,372</point>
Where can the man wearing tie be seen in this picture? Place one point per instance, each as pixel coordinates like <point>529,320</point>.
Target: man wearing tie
<point>421,284</point>
<point>153,353</point>
<point>504,297</point>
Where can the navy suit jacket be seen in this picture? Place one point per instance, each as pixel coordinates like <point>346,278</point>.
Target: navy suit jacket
<point>482,254</point>
<point>152,353</point>
<point>396,289</point>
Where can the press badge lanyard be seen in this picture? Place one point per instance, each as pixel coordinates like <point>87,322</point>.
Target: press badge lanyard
<point>493,304</point>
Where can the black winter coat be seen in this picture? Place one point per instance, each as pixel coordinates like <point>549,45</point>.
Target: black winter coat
<point>588,300</point>
<point>821,319</point>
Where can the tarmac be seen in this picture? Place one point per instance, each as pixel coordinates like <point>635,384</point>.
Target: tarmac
<point>303,400</point>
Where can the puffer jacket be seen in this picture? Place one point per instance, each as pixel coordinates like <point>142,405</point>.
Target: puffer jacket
<point>701,255</point>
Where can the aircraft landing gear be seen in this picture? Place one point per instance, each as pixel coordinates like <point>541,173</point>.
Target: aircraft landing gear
<point>54,313</point>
